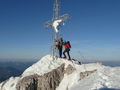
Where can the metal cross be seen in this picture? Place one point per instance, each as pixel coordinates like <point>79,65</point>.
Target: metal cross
<point>56,16</point>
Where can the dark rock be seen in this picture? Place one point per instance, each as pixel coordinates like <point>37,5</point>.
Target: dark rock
<point>48,81</point>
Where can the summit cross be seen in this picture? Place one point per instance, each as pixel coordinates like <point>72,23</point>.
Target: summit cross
<point>56,22</point>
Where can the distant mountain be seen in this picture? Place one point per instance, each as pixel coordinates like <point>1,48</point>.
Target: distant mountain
<point>6,72</point>
<point>19,65</point>
<point>12,68</point>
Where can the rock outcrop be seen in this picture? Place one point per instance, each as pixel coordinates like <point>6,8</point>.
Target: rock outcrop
<point>69,69</point>
<point>48,81</point>
<point>86,73</point>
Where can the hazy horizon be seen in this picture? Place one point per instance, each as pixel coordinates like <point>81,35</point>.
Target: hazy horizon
<point>37,59</point>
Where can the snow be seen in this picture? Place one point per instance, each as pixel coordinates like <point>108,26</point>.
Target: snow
<point>70,81</point>
<point>10,84</point>
<point>104,77</point>
<point>45,65</point>
<point>56,23</point>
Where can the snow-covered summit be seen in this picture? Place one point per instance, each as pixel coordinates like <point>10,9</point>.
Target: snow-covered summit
<point>93,76</point>
<point>45,65</point>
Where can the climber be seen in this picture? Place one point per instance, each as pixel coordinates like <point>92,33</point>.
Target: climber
<point>67,49</point>
<point>60,46</point>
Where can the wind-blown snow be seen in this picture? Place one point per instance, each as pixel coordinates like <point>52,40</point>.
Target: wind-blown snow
<point>56,23</point>
<point>104,77</point>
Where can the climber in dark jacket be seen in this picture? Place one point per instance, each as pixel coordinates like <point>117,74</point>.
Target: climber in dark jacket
<point>60,46</point>
<point>67,49</point>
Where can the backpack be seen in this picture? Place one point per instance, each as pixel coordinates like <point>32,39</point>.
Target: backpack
<point>68,42</point>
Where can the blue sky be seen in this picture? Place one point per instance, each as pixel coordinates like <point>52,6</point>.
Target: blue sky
<point>94,28</point>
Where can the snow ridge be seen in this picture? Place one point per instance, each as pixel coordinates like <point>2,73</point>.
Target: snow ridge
<point>45,65</point>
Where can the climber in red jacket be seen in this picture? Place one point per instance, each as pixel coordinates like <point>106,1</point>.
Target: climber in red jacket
<point>67,49</point>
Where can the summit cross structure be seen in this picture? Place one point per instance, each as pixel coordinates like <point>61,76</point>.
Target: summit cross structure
<point>55,23</point>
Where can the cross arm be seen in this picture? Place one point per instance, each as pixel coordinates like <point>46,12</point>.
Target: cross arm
<point>64,18</point>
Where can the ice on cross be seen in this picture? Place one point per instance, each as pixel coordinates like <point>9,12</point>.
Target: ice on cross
<point>57,20</point>
<point>56,24</point>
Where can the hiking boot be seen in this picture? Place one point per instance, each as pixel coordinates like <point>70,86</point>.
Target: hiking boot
<point>69,59</point>
<point>64,57</point>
